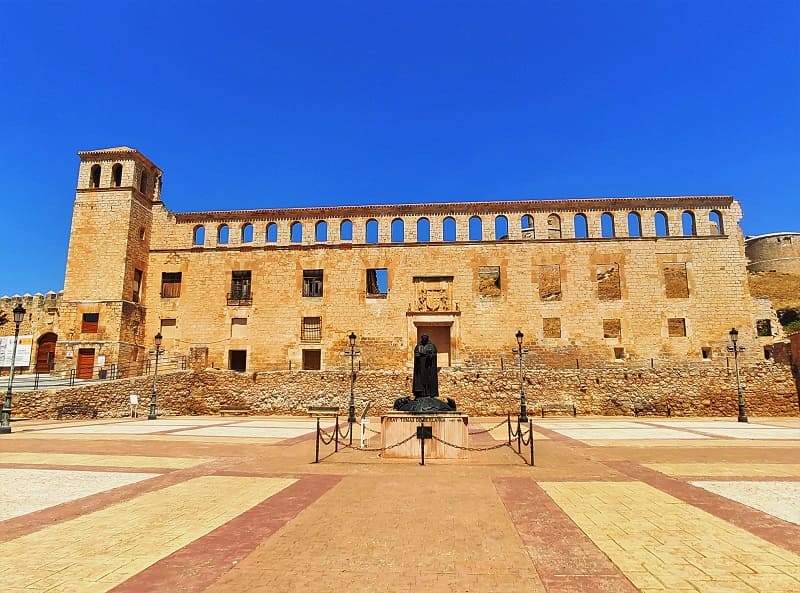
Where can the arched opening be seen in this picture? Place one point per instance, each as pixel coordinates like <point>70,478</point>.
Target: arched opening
<point>475,228</point>
<point>199,235</point>
<point>715,222</point>
<point>662,224</point>
<point>634,224</point>
<point>143,182</point>
<point>554,226</point>
<point>296,232</point>
<point>346,230</point>
<point>398,231</point>
<point>94,176</point>
<point>46,353</point>
<point>272,233</point>
<point>449,229</point>
<point>526,226</point>
<point>116,175</point>
<point>581,226</point>
<point>223,234</point>
<point>372,231</point>
<point>247,233</point>
<point>688,224</point>
<point>607,225</point>
<point>500,228</point>
<point>321,232</point>
<point>423,230</point>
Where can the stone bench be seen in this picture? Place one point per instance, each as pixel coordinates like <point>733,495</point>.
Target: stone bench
<point>652,409</point>
<point>323,410</point>
<point>562,408</point>
<point>234,411</point>
<point>75,410</point>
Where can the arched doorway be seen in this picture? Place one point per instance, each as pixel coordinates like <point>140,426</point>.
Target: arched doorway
<point>46,353</point>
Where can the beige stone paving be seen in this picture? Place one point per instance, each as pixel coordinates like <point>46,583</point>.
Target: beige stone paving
<point>748,470</point>
<point>96,552</point>
<point>102,460</point>
<point>663,544</point>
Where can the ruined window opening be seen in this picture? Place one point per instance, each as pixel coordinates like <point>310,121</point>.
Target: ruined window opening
<point>143,182</point>
<point>141,233</point>
<point>116,175</point>
<point>768,352</point>
<point>170,285</point>
<point>372,231</point>
<point>676,282</point>
<point>94,176</point>
<point>169,328</point>
<point>551,327</point>
<point>377,282</point>
<point>764,328</point>
<point>500,228</point>
<point>489,281</point>
<point>237,360</point>
<point>705,352</point>
<point>239,327</point>
<point>199,235</point>
<point>634,224</point>
<point>526,226</point>
<point>607,229</point>
<point>688,224</point>
<point>312,283</point>
<point>223,233</point>
<point>554,226</point>
<point>581,226</point>
<point>662,224</point>
<point>612,328</point>
<point>715,222</point>
<point>676,327</point>
<point>321,232</point>
<point>137,285</point>
<point>247,233</point>
<point>475,228</point>
<point>619,353</point>
<point>311,330</point>
<point>241,282</point>
<point>346,230</point>
<point>550,282</point>
<point>449,229</point>
<point>312,360</point>
<point>271,234</point>
<point>89,323</point>
<point>296,232</point>
<point>423,230</point>
<point>608,282</point>
<point>398,229</point>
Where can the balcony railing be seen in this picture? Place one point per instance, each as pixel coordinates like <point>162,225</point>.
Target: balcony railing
<point>240,299</point>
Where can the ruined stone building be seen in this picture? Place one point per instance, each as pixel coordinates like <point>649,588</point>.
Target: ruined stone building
<point>592,282</point>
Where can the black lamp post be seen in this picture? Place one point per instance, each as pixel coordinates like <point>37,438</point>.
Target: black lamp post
<point>351,411</point>
<point>5,415</point>
<point>735,348</point>
<point>152,414</point>
<point>520,350</point>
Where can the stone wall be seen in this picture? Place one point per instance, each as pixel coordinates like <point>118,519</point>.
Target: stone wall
<point>697,390</point>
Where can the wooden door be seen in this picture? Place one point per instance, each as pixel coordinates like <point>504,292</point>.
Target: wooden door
<point>46,352</point>
<point>85,363</point>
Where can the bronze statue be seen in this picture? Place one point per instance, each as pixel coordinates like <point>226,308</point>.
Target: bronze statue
<point>425,385</point>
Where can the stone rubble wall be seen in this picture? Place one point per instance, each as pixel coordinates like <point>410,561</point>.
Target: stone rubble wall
<point>769,390</point>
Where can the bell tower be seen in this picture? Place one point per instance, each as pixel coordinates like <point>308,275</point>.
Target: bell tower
<point>107,259</point>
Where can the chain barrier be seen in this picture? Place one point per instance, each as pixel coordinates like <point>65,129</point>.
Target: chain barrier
<point>489,429</point>
<point>461,447</point>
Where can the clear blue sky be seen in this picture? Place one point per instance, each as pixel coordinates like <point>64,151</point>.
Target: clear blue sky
<point>336,102</point>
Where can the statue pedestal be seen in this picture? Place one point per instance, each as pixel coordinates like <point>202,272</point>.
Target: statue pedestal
<point>447,426</point>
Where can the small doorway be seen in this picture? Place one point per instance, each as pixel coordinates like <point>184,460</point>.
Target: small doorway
<point>440,336</point>
<point>85,363</point>
<point>46,353</point>
<point>312,360</point>
<point>237,360</point>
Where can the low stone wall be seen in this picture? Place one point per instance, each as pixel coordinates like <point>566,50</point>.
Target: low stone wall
<point>769,390</point>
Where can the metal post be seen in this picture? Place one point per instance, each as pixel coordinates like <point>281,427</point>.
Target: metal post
<point>351,410</point>
<point>523,405</point>
<point>734,334</point>
<point>5,414</point>
<point>316,451</point>
<point>154,393</point>
<point>530,435</point>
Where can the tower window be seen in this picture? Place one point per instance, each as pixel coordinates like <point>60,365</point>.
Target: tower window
<point>90,322</point>
<point>143,182</point>
<point>137,285</point>
<point>116,175</point>
<point>94,176</point>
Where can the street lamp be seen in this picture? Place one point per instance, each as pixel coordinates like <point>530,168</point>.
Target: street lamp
<point>5,415</point>
<point>520,350</point>
<point>152,414</point>
<point>735,348</point>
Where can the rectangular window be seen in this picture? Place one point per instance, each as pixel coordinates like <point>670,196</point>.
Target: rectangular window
<point>311,331</point>
<point>312,360</point>
<point>377,282</point>
<point>550,282</point>
<point>137,285</point>
<point>764,328</point>
<point>612,328</point>
<point>312,283</point>
<point>607,276</point>
<point>239,327</point>
<point>90,322</point>
<point>705,352</point>
<point>489,280</point>
<point>676,283</point>
<point>619,353</point>
<point>170,285</point>
<point>237,360</point>
<point>676,327</point>
<point>551,327</point>
<point>240,293</point>
<point>169,328</point>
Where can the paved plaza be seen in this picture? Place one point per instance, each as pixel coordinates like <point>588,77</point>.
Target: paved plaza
<point>209,504</point>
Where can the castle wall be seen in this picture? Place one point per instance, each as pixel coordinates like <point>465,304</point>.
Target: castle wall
<point>775,252</point>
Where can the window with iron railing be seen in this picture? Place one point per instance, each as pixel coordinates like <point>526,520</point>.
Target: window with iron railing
<point>311,330</point>
<point>240,293</point>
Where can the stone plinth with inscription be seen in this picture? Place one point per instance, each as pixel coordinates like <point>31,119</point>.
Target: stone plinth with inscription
<point>450,427</point>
